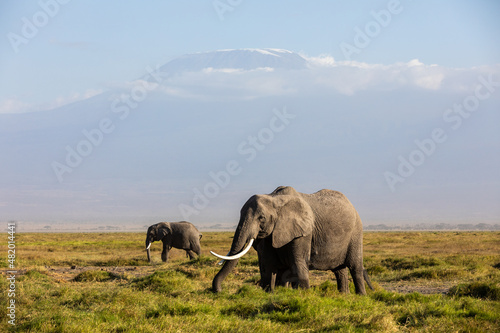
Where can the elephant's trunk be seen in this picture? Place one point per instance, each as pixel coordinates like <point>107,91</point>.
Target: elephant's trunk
<point>239,242</point>
<point>223,273</point>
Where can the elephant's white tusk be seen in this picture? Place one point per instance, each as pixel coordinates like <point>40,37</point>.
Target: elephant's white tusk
<point>149,245</point>
<point>236,256</point>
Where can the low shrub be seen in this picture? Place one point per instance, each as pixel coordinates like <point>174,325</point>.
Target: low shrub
<point>35,274</point>
<point>96,276</point>
<point>171,283</point>
<point>483,290</point>
<point>433,274</point>
<point>410,263</point>
<point>376,269</point>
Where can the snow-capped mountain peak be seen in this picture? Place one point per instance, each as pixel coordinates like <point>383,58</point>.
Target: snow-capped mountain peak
<point>243,59</point>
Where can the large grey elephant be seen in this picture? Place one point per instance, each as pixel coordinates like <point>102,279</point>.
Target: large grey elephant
<point>181,235</point>
<point>293,232</point>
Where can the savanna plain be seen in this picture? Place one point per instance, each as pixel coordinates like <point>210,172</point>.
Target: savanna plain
<point>102,282</point>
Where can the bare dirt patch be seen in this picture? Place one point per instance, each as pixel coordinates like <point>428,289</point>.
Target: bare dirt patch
<point>66,274</point>
<point>408,288</point>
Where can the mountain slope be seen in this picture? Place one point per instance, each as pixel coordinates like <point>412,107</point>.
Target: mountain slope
<point>245,59</point>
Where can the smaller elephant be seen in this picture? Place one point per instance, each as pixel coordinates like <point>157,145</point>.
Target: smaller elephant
<point>181,235</point>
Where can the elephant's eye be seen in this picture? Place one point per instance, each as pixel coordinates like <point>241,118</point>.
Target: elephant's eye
<point>262,219</point>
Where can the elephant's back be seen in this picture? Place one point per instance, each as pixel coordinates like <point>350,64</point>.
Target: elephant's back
<point>328,201</point>
<point>325,193</point>
<point>331,208</point>
<point>337,226</point>
<point>184,227</point>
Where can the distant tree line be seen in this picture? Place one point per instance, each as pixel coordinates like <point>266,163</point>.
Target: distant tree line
<point>438,226</point>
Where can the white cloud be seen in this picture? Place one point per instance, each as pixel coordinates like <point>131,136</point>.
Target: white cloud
<point>320,61</point>
<point>428,79</point>
<point>210,84</point>
<point>17,105</point>
<point>323,75</point>
<point>414,63</point>
<point>13,105</point>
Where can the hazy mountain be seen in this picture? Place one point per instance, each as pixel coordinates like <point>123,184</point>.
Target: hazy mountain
<point>195,137</point>
<point>246,59</point>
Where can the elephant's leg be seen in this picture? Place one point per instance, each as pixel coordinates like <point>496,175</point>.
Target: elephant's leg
<point>273,282</point>
<point>269,264</point>
<point>268,275</point>
<point>191,254</point>
<point>302,273</point>
<point>164,253</point>
<point>342,280</point>
<point>288,279</point>
<point>358,278</point>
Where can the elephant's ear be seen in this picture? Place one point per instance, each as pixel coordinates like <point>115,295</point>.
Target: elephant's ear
<point>163,230</point>
<point>294,219</point>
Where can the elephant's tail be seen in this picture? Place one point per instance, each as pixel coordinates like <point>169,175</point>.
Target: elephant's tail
<point>367,279</point>
<point>201,236</point>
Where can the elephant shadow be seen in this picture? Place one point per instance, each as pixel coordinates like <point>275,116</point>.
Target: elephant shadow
<point>273,271</point>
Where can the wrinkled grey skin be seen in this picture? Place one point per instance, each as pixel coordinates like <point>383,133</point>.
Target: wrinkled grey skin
<point>181,235</point>
<point>295,232</point>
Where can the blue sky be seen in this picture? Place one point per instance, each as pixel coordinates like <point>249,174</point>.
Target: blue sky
<point>84,47</point>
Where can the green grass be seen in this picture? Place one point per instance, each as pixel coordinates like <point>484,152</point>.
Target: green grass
<point>482,290</point>
<point>114,289</point>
